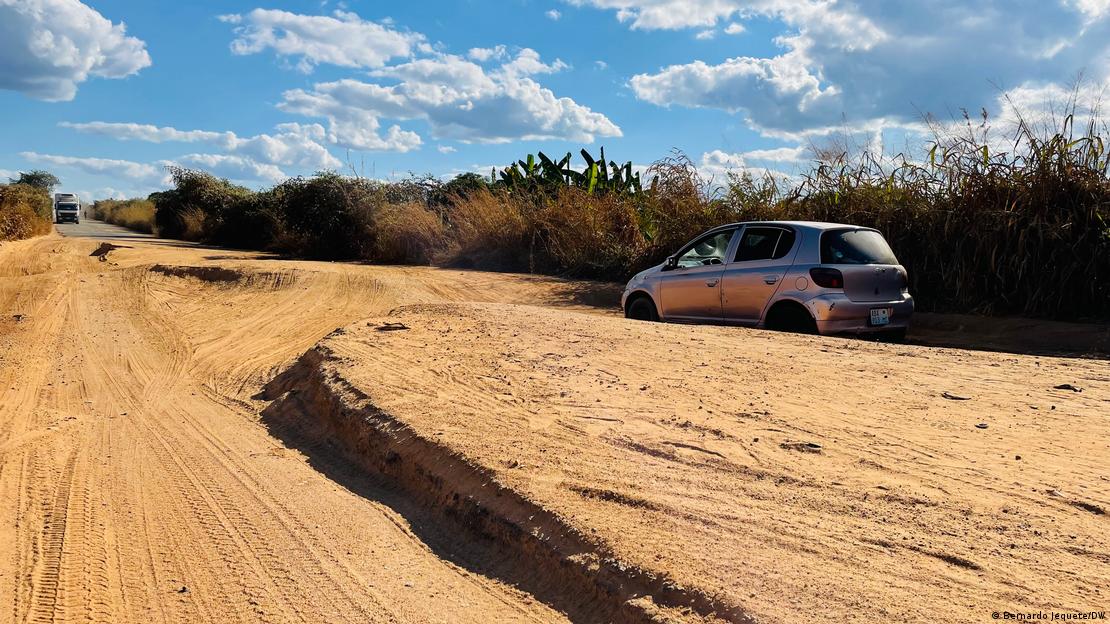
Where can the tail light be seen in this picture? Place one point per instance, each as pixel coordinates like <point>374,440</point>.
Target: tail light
<point>905,281</point>
<point>827,278</point>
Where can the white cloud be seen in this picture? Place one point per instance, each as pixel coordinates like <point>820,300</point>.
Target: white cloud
<point>487,96</point>
<point>706,34</point>
<point>1094,9</point>
<point>778,154</point>
<point>446,149</point>
<point>734,28</point>
<point>779,92</point>
<point>260,158</point>
<point>719,160</point>
<point>602,65</point>
<point>48,47</point>
<point>716,165</point>
<point>235,167</point>
<point>99,166</point>
<point>483,55</point>
<point>342,39</point>
<point>294,145</point>
<point>458,98</point>
<point>144,132</point>
<point>353,109</point>
<point>528,63</point>
<point>553,15</point>
<point>813,15</point>
<point>869,63</point>
<point>111,192</point>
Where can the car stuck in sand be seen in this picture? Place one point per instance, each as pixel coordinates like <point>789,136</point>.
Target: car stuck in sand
<point>801,276</point>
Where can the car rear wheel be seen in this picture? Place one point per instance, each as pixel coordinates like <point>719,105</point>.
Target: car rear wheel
<point>641,309</point>
<point>791,317</point>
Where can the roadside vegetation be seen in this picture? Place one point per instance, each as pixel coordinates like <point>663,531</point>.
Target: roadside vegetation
<point>26,208</point>
<point>135,214</point>
<point>1021,231</point>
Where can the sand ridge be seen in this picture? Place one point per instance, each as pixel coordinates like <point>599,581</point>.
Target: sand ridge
<point>781,475</point>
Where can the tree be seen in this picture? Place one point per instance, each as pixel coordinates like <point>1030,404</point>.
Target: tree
<point>39,179</point>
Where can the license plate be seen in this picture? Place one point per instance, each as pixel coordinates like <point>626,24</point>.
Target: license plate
<point>880,316</point>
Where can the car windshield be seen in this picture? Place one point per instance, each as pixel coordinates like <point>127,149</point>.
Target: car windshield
<point>709,250</point>
<point>855,247</point>
<point>67,206</point>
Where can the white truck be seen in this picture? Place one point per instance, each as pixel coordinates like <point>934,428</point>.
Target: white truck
<point>67,207</point>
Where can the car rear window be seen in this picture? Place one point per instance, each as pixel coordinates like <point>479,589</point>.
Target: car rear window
<point>855,247</point>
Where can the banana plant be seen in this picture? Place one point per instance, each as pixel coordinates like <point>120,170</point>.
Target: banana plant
<point>598,176</point>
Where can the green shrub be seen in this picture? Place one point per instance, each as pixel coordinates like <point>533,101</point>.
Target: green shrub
<point>196,208</point>
<point>326,217</point>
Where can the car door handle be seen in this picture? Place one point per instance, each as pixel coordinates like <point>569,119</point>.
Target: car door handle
<point>711,283</point>
<point>770,279</point>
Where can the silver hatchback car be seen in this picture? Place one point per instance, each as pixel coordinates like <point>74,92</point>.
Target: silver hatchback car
<point>801,276</point>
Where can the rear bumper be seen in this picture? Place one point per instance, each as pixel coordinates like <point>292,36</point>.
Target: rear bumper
<point>836,314</point>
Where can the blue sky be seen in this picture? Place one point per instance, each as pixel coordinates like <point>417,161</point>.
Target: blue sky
<point>106,93</point>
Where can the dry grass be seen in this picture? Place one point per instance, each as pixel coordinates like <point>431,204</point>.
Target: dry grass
<point>25,211</point>
<point>133,214</point>
<point>407,233</point>
<point>492,230</point>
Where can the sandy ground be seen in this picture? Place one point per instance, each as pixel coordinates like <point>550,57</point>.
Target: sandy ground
<point>137,484</point>
<point>145,478</point>
<point>780,476</point>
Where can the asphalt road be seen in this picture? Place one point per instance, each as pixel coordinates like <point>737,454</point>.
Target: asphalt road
<point>100,230</point>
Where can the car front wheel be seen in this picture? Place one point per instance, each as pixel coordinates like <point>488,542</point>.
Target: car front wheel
<point>641,309</point>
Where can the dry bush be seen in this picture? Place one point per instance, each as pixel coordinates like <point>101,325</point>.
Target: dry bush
<point>590,235</point>
<point>133,214</point>
<point>191,226</point>
<point>493,230</point>
<point>25,211</point>
<point>407,233</point>
<point>20,221</point>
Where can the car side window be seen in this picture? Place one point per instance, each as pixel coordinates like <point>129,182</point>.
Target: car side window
<point>786,243</point>
<point>764,243</point>
<point>708,250</point>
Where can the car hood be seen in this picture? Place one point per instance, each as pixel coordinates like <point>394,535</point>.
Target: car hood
<point>642,275</point>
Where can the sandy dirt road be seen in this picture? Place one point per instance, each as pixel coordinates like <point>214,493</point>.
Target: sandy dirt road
<point>147,478</point>
<point>136,483</point>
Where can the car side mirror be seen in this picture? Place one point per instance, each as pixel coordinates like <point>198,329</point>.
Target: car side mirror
<point>671,263</point>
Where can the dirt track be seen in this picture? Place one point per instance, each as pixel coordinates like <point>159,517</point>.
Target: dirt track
<point>137,484</point>
<point>145,477</point>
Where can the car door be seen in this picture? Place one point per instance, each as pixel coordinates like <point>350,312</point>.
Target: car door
<point>763,256</point>
<point>691,289</point>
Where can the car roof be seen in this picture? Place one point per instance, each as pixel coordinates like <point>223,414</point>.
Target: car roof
<point>811,225</point>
